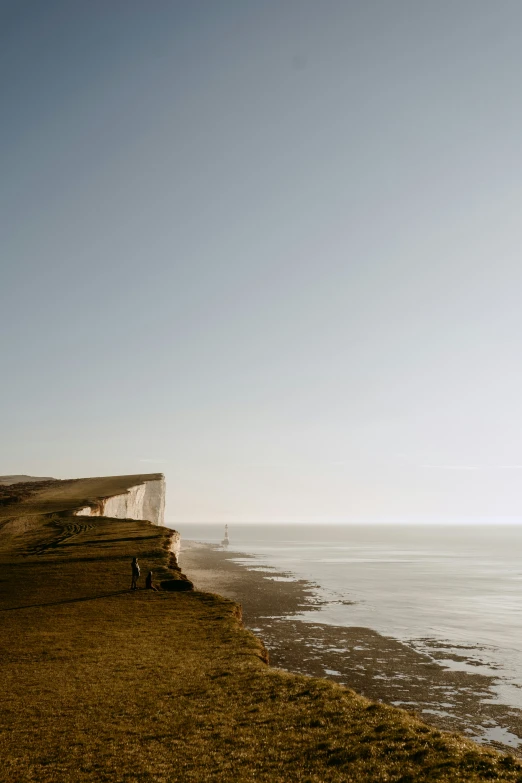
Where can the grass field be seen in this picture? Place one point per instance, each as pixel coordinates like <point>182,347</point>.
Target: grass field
<point>103,684</point>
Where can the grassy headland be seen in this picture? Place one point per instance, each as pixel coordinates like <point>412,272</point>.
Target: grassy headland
<point>104,684</point>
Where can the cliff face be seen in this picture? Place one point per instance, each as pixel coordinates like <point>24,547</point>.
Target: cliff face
<point>143,501</point>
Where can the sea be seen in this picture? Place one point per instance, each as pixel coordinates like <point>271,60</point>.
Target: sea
<point>426,585</point>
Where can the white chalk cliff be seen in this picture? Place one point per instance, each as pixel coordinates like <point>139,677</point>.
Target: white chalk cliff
<point>143,501</point>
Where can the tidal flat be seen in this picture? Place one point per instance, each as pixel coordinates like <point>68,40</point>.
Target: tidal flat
<point>445,686</point>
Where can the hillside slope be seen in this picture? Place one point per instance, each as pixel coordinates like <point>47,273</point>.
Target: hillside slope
<point>20,478</point>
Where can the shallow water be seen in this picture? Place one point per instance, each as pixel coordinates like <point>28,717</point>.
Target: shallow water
<point>453,592</point>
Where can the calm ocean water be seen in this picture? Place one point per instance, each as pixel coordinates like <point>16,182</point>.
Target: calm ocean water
<point>426,584</point>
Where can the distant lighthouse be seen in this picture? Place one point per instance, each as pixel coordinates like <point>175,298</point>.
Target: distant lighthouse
<point>225,541</point>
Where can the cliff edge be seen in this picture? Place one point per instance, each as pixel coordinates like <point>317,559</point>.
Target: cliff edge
<point>144,500</point>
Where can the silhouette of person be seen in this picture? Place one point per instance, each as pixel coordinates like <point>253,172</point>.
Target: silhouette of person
<point>148,582</point>
<point>135,573</point>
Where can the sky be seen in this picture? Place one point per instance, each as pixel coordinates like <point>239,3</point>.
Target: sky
<point>269,248</point>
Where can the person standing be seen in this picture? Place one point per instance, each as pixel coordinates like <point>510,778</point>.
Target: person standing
<point>135,573</point>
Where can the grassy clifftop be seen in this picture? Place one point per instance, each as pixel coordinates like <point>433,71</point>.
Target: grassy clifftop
<point>53,495</point>
<point>100,683</point>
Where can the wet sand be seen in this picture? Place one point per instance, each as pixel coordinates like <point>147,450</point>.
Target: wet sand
<point>380,667</point>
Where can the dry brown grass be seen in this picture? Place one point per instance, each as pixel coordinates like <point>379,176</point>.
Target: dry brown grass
<point>99,683</point>
<point>16,493</point>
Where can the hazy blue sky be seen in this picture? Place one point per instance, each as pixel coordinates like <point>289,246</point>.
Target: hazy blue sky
<point>272,249</point>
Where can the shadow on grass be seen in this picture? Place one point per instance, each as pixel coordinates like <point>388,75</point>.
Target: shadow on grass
<point>66,601</point>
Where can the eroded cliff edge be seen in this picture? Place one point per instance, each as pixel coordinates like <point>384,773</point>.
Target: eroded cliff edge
<point>145,500</point>
<point>51,507</point>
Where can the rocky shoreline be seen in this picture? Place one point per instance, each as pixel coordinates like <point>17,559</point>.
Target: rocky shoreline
<point>382,668</point>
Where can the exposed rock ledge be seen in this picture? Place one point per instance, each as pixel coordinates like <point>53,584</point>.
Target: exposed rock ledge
<point>143,501</point>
